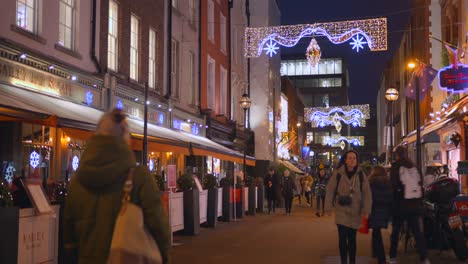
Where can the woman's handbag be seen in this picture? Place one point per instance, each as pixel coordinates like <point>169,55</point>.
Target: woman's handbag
<point>364,229</point>
<point>131,242</point>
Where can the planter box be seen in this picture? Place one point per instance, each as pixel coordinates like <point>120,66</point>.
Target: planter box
<point>240,209</point>
<point>203,206</point>
<point>212,214</point>
<point>252,199</point>
<point>227,204</point>
<point>177,211</point>
<point>260,199</point>
<point>192,212</point>
<point>9,230</point>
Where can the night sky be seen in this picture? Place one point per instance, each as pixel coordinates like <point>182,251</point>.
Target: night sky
<point>365,67</point>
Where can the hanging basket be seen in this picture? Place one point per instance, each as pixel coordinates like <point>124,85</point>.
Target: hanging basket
<point>455,138</point>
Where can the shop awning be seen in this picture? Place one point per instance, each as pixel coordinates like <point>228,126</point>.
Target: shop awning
<point>291,166</point>
<point>79,120</point>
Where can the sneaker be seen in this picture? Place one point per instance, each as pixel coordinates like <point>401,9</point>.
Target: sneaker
<point>392,261</point>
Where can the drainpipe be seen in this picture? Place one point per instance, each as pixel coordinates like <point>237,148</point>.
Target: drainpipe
<point>93,39</point>
<point>199,55</point>
<point>230,5</point>
<point>169,50</point>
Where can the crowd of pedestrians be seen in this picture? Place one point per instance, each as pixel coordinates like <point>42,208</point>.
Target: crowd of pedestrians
<point>360,201</point>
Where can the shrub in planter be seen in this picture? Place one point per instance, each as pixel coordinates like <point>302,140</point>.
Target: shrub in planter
<point>160,181</point>
<point>191,204</point>
<point>228,181</point>
<point>185,182</point>
<point>6,199</point>
<point>210,183</point>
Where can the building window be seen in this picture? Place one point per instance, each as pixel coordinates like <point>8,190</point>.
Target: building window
<point>193,12</point>
<point>223,87</point>
<point>26,12</point>
<point>222,24</point>
<point>112,39</point>
<point>134,48</point>
<point>67,15</point>
<point>234,46</point>
<point>211,21</point>
<point>191,77</point>
<point>152,59</point>
<point>211,83</point>
<point>174,68</point>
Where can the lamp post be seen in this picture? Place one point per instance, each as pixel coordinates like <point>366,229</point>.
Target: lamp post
<point>391,95</point>
<point>412,66</point>
<point>245,103</point>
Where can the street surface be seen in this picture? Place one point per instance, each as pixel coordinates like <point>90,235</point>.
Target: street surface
<point>277,238</point>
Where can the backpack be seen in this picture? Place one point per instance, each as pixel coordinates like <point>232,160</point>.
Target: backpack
<point>411,180</point>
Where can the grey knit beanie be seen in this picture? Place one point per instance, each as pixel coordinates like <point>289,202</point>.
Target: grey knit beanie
<point>114,123</point>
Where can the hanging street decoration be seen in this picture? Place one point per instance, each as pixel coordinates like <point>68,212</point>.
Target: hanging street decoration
<point>313,53</point>
<point>354,115</point>
<point>369,32</point>
<point>341,141</point>
<point>454,79</point>
<point>75,162</point>
<point>89,98</point>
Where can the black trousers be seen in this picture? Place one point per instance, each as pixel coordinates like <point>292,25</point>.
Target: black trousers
<point>415,224</point>
<point>271,204</point>
<point>288,203</point>
<point>321,201</point>
<point>347,244</point>
<point>307,195</point>
<point>378,250</point>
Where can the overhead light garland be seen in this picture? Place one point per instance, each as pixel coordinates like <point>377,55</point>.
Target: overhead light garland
<point>341,141</point>
<point>372,32</point>
<point>313,53</point>
<point>354,115</point>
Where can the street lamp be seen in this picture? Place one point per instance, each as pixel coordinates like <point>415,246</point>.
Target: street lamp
<point>391,95</point>
<point>245,103</point>
<point>412,66</point>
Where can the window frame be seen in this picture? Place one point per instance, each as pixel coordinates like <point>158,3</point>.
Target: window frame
<point>223,90</point>
<point>222,32</point>
<point>191,78</point>
<point>211,21</point>
<point>211,80</point>
<point>34,11</point>
<point>62,42</point>
<point>113,38</point>
<point>134,47</point>
<point>175,68</point>
<point>152,58</point>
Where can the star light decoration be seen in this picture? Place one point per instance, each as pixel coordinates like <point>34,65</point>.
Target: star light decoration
<point>313,53</point>
<point>341,141</point>
<point>374,31</point>
<point>354,115</point>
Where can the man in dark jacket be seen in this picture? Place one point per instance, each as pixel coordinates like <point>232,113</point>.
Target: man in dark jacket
<point>272,188</point>
<point>410,210</point>
<point>287,188</point>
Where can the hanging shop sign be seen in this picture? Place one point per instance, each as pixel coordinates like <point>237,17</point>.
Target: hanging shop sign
<point>454,79</point>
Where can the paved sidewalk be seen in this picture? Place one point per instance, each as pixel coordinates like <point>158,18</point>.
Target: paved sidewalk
<point>277,238</point>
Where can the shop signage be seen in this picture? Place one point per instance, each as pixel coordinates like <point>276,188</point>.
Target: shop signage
<point>454,79</point>
<point>22,76</point>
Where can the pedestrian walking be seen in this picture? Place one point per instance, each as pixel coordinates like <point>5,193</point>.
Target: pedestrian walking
<point>287,188</point>
<point>95,195</point>
<point>308,184</point>
<point>349,192</point>
<point>320,191</point>
<point>382,197</point>
<point>298,188</point>
<point>270,185</point>
<point>407,203</point>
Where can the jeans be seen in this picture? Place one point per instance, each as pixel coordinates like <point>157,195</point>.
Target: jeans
<point>288,203</point>
<point>378,246</point>
<point>321,199</point>
<point>415,224</point>
<point>347,243</point>
<point>271,205</point>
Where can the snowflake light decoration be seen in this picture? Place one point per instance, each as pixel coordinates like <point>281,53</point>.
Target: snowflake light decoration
<point>151,165</point>
<point>34,159</point>
<point>341,141</point>
<point>75,162</point>
<point>89,97</point>
<point>9,172</point>
<point>271,48</point>
<point>119,105</point>
<point>313,53</point>
<point>358,43</point>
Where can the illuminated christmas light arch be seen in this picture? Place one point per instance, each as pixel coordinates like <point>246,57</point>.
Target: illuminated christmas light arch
<point>354,115</point>
<point>370,32</point>
<point>340,141</point>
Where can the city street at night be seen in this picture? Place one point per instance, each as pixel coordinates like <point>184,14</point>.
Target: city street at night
<point>277,238</point>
